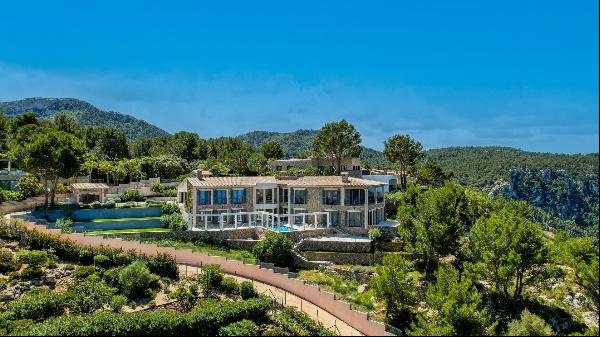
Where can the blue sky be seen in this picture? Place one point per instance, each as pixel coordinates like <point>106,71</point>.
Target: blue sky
<point>514,73</point>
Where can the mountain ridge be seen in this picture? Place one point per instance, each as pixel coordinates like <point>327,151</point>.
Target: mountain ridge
<point>85,113</point>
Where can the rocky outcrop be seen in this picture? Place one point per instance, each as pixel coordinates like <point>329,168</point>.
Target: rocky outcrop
<point>555,192</point>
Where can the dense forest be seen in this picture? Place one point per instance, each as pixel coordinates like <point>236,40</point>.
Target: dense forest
<point>84,113</point>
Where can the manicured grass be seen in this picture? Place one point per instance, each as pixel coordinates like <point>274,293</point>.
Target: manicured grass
<point>126,219</point>
<point>129,230</point>
<point>201,247</point>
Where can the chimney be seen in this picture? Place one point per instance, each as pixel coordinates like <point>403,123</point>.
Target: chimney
<point>345,177</point>
<point>198,174</point>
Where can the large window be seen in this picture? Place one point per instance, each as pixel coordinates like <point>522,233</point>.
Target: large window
<point>238,196</point>
<point>380,195</point>
<point>334,217</point>
<point>354,219</point>
<point>283,194</point>
<point>203,198</point>
<point>331,197</point>
<point>260,194</point>
<point>220,197</point>
<point>268,196</point>
<point>300,197</point>
<point>371,195</point>
<point>354,197</point>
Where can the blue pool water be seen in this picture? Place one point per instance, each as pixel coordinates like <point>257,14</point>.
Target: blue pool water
<point>281,229</point>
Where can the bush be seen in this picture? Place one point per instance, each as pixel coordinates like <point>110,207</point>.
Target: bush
<point>83,272</point>
<point>111,276</point>
<point>169,208</point>
<point>529,325</point>
<point>206,319</point>
<point>37,305</point>
<point>30,186</point>
<point>110,204</point>
<point>163,264</point>
<point>11,195</point>
<point>135,279</point>
<point>31,273</point>
<point>211,278</point>
<point>247,290</point>
<point>117,303</point>
<point>131,195</point>
<point>229,285</point>
<point>275,248</point>
<point>65,224</point>
<point>8,262</point>
<point>298,323</point>
<point>241,328</point>
<point>86,257</point>
<point>173,221</point>
<point>86,296</point>
<point>33,258</point>
<point>121,259</point>
<point>96,205</point>
<point>102,261</point>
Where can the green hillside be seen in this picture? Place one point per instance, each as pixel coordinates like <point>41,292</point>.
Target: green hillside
<point>300,141</point>
<point>481,167</point>
<point>85,114</point>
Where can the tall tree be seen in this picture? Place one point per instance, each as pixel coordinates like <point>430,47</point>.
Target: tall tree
<point>258,164</point>
<point>108,143</point>
<point>430,173</point>
<point>185,145</point>
<point>3,131</point>
<point>394,285</point>
<point>336,141</point>
<point>456,304</point>
<point>66,123</point>
<point>404,151</point>
<point>271,150</point>
<point>509,249</point>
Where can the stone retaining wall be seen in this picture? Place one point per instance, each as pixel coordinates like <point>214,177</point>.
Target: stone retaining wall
<point>361,259</point>
<point>335,246</point>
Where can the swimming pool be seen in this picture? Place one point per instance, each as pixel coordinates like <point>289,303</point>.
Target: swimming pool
<point>282,229</point>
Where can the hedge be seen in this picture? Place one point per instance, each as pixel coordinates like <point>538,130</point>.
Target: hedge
<point>205,319</point>
<point>161,264</point>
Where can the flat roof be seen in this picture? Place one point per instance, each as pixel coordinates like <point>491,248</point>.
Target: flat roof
<point>306,181</point>
<point>89,186</point>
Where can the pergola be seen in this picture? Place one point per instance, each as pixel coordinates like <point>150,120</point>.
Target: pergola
<point>87,193</point>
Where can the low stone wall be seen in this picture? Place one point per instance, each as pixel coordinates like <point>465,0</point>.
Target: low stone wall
<point>356,231</point>
<point>296,236</point>
<point>241,244</point>
<point>391,246</point>
<point>361,259</point>
<point>335,246</point>
<point>206,236</point>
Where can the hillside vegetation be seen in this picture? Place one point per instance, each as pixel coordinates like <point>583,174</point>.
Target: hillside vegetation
<point>84,113</point>
<point>482,167</point>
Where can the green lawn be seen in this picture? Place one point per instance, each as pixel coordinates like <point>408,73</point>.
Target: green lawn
<point>129,230</point>
<point>201,247</point>
<point>126,219</point>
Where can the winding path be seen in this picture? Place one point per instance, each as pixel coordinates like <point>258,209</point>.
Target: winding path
<point>263,278</point>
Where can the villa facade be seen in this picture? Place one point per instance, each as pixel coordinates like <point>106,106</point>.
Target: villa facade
<point>293,201</point>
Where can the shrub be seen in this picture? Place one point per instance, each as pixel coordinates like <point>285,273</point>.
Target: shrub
<point>86,296</point>
<point>83,272</point>
<point>211,278</point>
<point>102,261</point>
<point>3,283</point>
<point>30,186</point>
<point>135,279</point>
<point>96,205</point>
<point>247,290</point>
<point>241,328</point>
<point>170,208</point>
<point>275,248</point>
<point>298,323</point>
<point>11,195</point>
<point>173,221</point>
<point>33,258</point>
<point>111,276</point>
<point>8,262</point>
<point>65,224</point>
<point>121,259</point>
<point>206,319</point>
<point>117,303</point>
<point>131,195</point>
<point>110,204</point>
<point>187,296</point>
<point>37,305</point>
<point>31,273</point>
<point>163,264</point>
<point>529,325</point>
<point>86,257</point>
<point>69,267</point>
<point>229,285</point>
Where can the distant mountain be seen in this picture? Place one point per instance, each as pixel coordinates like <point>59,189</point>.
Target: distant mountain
<point>300,140</point>
<point>85,113</point>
